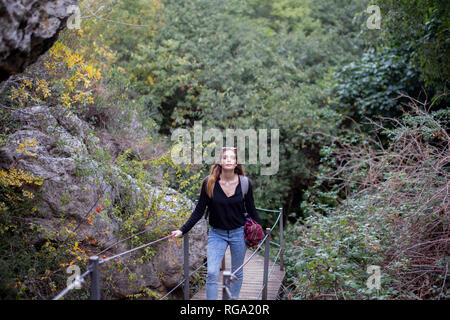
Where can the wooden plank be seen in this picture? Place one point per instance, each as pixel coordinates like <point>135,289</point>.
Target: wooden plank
<point>253,279</point>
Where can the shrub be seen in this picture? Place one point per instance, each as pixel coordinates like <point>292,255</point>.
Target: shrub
<point>395,216</point>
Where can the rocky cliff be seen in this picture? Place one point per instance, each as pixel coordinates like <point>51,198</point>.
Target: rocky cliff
<point>75,183</point>
<point>28,28</point>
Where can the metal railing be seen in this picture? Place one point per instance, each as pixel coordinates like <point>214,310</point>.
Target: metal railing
<point>229,276</point>
<point>93,270</point>
<point>95,261</point>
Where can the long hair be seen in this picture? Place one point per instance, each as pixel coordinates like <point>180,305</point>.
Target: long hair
<point>215,172</point>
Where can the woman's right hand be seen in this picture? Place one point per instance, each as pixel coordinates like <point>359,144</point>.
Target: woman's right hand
<point>176,233</point>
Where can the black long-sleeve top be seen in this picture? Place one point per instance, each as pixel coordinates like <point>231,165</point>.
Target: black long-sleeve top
<point>224,212</point>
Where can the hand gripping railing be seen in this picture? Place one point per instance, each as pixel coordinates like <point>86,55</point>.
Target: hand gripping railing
<point>93,270</point>
<point>229,276</point>
<point>95,262</point>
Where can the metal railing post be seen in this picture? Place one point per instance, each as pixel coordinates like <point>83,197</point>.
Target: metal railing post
<point>95,278</point>
<point>226,285</point>
<point>266,265</point>
<point>186,266</point>
<point>281,240</point>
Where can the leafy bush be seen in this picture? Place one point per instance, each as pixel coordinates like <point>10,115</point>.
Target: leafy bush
<point>370,86</point>
<point>395,216</point>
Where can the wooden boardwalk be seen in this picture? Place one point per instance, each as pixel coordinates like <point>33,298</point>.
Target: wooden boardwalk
<point>253,279</point>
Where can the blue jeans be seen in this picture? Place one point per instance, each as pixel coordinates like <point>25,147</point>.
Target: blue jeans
<point>218,241</point>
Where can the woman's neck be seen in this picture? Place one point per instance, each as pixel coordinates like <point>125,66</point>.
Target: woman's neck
<point>227,175</point>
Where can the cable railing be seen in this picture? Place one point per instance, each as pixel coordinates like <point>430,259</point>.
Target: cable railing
<point>173,289</point>
<point>76,283</point>
<point>95,261</point>
<point>229,276</point>
<point>93,269</point>
<point>270,272</point>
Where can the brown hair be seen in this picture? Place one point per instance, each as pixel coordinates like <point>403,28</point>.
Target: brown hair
<point>215,172</point>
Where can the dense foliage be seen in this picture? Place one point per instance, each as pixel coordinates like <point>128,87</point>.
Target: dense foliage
<point>395,216</point>
<point>362,114</point>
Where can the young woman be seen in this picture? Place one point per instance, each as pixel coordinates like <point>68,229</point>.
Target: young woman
<point>221,192</point>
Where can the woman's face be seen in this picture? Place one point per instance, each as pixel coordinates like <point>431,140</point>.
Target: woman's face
<point>228,159</point>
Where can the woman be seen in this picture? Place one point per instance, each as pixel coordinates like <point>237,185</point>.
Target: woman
<point>221,192</point>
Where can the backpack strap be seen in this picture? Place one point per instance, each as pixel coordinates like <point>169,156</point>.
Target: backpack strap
<point>244,186</point>
<point>207,207</point>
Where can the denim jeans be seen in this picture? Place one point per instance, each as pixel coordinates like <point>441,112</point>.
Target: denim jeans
<point>218,241</point>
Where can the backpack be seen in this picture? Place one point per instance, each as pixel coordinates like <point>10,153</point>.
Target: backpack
<point>253,232</point>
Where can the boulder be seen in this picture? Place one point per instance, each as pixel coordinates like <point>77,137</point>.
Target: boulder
<point>75,183</point>
<point>28,28</point>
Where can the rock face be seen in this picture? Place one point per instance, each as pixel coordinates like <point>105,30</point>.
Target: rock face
<point>28,28</point>
<point>74,184</point>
